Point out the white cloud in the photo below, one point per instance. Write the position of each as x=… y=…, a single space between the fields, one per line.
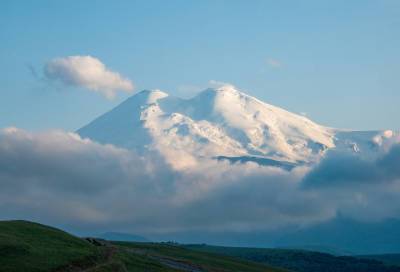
x=218 y=84
x=274 y=63
x=47 y=176
x=303 y=114
x=87 y=72
x=61 y=179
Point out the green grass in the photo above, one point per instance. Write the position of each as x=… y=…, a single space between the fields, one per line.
x=27 y=246
x=204 y=260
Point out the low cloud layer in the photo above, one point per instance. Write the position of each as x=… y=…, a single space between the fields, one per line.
x=359 y=188
x=87 y=72
x=62 y=179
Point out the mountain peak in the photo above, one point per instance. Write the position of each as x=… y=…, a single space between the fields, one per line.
x=225 y=88
x=150 y=96
x=220 y=90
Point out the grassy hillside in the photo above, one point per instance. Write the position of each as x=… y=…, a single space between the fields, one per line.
x=300 y=260
x=26 y=246
x=203 y=261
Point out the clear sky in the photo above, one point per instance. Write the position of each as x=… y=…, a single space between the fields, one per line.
x=337 y=61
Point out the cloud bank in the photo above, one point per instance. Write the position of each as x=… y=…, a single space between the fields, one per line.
x=366 y=190
x=87 y=72
x=61 y=179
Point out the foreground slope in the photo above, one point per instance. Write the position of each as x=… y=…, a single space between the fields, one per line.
x=27 y=246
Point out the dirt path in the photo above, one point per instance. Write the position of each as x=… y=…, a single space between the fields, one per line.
x=168 y=261
x=177 y=264
x=108 y=258
x=91 y=263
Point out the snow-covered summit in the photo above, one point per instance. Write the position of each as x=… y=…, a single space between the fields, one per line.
x=217 y=123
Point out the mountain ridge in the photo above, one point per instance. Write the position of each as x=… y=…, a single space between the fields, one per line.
x=222 y=122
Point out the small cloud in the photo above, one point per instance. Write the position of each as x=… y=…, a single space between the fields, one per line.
x=87 y=72
x=32 y=71
x=218 y=84
x=274 y=63
x=303 y=114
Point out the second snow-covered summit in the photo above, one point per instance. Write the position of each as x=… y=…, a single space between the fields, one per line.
x=217 y=123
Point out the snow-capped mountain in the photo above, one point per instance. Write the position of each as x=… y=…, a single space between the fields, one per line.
x=223 y=123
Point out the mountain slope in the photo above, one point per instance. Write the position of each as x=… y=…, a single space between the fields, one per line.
x=221 y=123
x=27 y=246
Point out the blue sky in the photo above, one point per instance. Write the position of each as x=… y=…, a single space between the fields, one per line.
x=337 y=61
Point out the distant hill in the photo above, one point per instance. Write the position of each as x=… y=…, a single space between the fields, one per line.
x=348 y=236
x=389 y=259
x=323 y=249
x=301 y=260
x=118 y=236
x=340 y=236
